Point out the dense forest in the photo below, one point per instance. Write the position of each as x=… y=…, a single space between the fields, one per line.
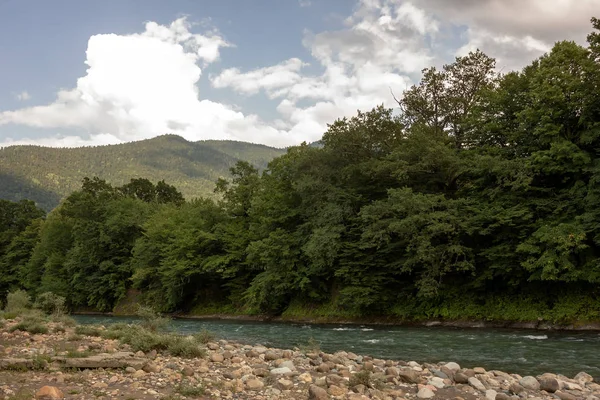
x=46 y=175
x=480 y=199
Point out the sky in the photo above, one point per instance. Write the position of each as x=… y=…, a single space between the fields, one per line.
x=85 y=73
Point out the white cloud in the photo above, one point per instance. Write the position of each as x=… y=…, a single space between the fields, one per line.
x=515 y=31
x=304 y=3
x=23 y=96
x=142 y=85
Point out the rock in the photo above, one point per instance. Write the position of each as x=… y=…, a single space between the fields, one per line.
x=476 y=383
x=409 y=376
x=151 y=367
x=565 y=396
x=217 y=357
x=100 y=385
x=254 y=384
x=280 y=371
x=440 y=374
x=336 y=390
x=502 y=396
x=187 y=371
x=459 y=377
x=583 y=378
x=289 y=364
x=116 y=360
x=271 y=356
x=479 y=370
x=139 y=373
x=321 y=381
x=516 y=388
x=529 y=382
x=550 y=385
x=305 y=377
x=285 y=384
x=437 y=382
x=140 y=354
x=317 y=393
x=425 y=393
x=452 y=366
x=262 y=372
x=392 y=371
x=323 y=367
x=130 y=370
x=490 y=394
x=49 y=393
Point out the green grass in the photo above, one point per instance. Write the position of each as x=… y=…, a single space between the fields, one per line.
x=88 y=330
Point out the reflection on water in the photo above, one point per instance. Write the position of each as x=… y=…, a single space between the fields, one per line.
x=515 y=351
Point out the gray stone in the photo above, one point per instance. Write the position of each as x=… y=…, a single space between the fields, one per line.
x=280 y=371
x=452 y=366
x=425 y=393
x=439 y=373
x=476 y=383
x=529 y=382
x=550 y=385
x=583 y=378
x=490 y=394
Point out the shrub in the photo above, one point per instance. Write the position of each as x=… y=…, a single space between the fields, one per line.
x=32 y=322
x=50 y=303
x=204 y=336
x=17 y=301
x=180 y=346
x=64 y=320
x=151 y=319
x=88 y=330
x=189 y=391
x=360 y=378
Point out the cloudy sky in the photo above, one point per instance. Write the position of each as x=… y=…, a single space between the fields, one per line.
x=76 y=73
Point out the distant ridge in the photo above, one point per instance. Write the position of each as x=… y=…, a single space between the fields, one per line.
x=47 y=174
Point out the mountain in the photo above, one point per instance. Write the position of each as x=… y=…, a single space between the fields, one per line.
x=46 y=174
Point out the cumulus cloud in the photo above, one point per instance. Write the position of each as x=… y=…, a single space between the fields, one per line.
x=23 y=96
x=515 y=31
x=142 y=85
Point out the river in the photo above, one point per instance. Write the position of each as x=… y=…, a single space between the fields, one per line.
x=525 y=352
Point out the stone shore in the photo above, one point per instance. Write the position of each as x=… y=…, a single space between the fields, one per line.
x=54 y=366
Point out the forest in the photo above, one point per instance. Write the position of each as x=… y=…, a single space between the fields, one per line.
x=478 y=198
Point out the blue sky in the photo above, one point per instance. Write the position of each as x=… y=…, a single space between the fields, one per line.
x=268 y=71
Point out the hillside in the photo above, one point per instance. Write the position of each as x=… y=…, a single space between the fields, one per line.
x=47 y=174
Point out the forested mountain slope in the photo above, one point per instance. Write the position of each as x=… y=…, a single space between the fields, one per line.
x=45 y=174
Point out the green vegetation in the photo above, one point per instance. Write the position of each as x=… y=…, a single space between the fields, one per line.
x=478 y=200
x=46 y=175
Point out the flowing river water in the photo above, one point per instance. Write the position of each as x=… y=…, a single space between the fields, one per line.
x=526 y=352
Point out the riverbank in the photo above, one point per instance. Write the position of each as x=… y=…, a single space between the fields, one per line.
x=77 y=363
x=541 y=325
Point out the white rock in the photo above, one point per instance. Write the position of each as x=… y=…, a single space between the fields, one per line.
x=425 y=393
x=437 y=382
x=280 y=371
x=490 y=394
x=452 y=366
x=529 y=382
x=476 y=383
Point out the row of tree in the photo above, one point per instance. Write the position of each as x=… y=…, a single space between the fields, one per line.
x=481 y=198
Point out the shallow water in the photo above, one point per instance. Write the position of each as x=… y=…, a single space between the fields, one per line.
x=525 y=352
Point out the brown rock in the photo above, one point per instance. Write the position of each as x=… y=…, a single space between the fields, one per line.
x=459 y=377
x=336 y=390
x=502 y=396
x=565 y=396
x=409 y=376
x=550 y=385
x=324 y=367
x=317 y=393
x=187 y=371
x=49 y=393
x=254 y=384
x=217 y=357
x=151 y=367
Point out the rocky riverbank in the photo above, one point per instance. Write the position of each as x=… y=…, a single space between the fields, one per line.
x=65 y=364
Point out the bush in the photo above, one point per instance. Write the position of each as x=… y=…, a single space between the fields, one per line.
x=88 y=330
x=360 y=378
x=180 y=346
x=17 y=301
x=64 y=320
x=151 y=319
x=50 y=303
x=204 y=336
x=32 y=322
